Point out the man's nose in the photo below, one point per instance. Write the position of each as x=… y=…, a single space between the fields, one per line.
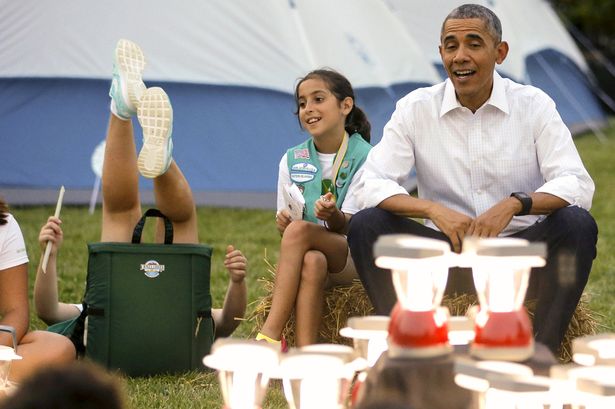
x=461 y=55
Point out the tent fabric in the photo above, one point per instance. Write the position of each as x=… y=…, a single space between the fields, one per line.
x=230 y=68
x=264 y=44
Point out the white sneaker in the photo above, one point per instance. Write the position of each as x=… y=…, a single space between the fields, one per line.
x=127 y=85
x=156 y=118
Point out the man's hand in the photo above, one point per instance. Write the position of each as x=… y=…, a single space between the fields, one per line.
x=452 y=223
x=51 y=231
x=236 y=264
x=494 y=220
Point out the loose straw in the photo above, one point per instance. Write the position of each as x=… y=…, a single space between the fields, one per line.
x=49 y=244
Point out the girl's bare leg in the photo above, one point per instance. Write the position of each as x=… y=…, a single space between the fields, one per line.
x=300 y=237
x=310 y=298
x=174 y=199
x=40 y=349
x=120 y=183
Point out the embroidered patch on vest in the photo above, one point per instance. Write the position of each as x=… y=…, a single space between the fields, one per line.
x=302 y=153
x=301 y=177
x=304 y=167
x=303 y=172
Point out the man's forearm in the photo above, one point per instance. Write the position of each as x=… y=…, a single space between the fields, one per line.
x=406 y=205
x=545 y=203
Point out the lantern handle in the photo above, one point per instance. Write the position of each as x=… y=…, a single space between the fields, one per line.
x=11 y=330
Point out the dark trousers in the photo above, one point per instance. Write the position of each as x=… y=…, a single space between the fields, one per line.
x=570 y=234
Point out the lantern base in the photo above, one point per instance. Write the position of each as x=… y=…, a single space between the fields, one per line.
x=503 y=336
x=401 y=351
x=515 y=354
x=419 y=334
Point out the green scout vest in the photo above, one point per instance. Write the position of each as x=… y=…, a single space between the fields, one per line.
x=305 y=172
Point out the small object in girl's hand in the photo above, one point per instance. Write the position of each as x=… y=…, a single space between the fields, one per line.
x=324 y=198
x=326 y=187
x=48 y=246
x=295 y=203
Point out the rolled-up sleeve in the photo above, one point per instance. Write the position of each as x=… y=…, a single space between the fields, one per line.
x=560 y=163
x=389 y=162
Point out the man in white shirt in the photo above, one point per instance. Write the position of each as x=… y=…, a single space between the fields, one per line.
x=493 y=158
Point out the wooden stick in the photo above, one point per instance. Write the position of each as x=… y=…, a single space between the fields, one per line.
x=49 y=244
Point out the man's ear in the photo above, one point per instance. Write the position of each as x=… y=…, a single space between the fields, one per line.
x=502 y=51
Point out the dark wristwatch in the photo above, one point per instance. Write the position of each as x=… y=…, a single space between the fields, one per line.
x=526 y=202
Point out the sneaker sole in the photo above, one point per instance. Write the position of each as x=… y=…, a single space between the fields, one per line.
x=131 y=63
x=155 y=115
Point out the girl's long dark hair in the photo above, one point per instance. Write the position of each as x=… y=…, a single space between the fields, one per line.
x=4 y=211
x=356 y=121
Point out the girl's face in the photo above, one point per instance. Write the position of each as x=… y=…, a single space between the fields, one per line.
x=320 y=112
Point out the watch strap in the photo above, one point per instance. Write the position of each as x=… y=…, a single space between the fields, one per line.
x=526 y=202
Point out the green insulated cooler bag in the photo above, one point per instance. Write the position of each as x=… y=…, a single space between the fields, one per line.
x=148 y=305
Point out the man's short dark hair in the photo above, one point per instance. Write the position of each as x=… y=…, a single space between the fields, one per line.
x=492 y=22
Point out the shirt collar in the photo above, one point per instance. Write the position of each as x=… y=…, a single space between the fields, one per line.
x=497 y=99
x=498 y=94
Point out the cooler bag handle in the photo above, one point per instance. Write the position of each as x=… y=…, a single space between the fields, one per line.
x=168 y=226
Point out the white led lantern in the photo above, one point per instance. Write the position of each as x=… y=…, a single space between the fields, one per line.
x=244 y=368
x=501 y=270
x=418 y=326
x=369 y=336
x=7 y=356
x=594 y=349
x=316 y=379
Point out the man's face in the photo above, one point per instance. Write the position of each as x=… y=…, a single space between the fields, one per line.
x=469 y=54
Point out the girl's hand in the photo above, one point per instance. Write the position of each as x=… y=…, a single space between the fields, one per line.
x=282 y=220
x=51 y=231
x=325 y=208
x=236 y=264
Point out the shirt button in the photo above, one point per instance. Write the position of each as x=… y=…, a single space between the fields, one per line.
x=479 y=192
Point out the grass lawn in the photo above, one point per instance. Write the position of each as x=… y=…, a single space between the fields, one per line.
x=253 y=232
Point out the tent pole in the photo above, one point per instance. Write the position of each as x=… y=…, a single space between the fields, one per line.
x=600 y=58
x=302 y=35
x=94 y=195
x=586 y=42
x=597 y=131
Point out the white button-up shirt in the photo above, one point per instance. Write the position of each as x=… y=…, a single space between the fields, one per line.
x=515 y=142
